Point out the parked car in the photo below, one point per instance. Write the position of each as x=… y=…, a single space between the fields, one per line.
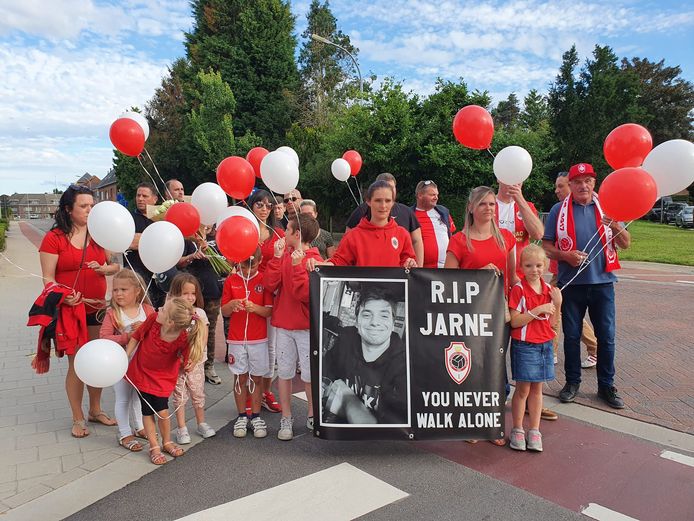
x=685 y=218
x=654 y=214
x=672 y=210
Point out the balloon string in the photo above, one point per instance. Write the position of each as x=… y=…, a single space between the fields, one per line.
x=585 y=263
x=351 y=192
x=491 y=153
x=244 y=203
x=185 y=377
x=157 y=172
x=30 y=274
x=356 y=183
x=152 y=178
x=145 y=289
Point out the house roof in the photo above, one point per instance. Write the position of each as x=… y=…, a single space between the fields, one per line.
x=110 y=179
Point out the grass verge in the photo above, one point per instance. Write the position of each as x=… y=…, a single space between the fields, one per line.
x=654 y=242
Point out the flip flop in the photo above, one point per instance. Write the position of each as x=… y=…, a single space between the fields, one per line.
x=102 y=418
x=82 y=425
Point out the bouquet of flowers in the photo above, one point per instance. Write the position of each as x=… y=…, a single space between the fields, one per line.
x=157 y=212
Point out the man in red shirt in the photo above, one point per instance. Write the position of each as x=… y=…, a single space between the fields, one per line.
x=436 y=224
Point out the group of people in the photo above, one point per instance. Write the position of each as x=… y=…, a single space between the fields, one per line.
x=169 y=329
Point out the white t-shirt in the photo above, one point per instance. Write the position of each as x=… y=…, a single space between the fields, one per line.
x=507 y=217
x=128 y=322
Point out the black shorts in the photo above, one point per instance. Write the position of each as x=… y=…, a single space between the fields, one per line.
x=158 y=403
x=92 y=320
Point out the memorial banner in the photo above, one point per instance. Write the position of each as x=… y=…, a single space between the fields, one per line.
x=407 y=354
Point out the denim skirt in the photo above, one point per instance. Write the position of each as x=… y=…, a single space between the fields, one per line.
x=532 y=362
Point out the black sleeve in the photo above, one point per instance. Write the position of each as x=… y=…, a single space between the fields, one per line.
x=357 y=214
x=393 y=408
x=414 y=222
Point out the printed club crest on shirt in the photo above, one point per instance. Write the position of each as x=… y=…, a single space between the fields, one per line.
x=458 y=361
x=394 y=242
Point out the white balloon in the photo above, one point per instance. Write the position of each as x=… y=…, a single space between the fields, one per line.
x=341 y=169
x=101 y=363
x=210 y=200
x=138 y=118
x=240 y=211
x=290 y=151
x=161 y=246
x=279 y=172
x=512 y=165
x=672 y=166
x=111 y=226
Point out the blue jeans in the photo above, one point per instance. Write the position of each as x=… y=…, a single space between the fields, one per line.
x=598 y=299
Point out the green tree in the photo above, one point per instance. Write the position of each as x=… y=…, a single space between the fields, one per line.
x=252 y=46
x=535 y=113
x=324 y=68
x=666 y=98
x=507 y=112
x=564 y=108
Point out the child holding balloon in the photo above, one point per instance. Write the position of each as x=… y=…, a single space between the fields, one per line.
x=129 y=308
x=191 y=383
x=171 y=338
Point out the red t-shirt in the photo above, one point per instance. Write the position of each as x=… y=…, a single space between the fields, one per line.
x=91 y=284
x=434 y=236
x=155 y=365
x=523 y=298
x=483 y=252
x=267 y=248
x=235 y=288
x=508 y=217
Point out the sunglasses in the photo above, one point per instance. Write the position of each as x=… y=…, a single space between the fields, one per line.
x=260 y=204
x=80 y=189
x=427 y=183
x=292 y=199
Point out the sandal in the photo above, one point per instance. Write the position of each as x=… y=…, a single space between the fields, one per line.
x=84 y=432
x=132 y=444
x=499 y=443
x=156 y=457
x=102 y=418
x=140 y=434
x=173 y=449
x=471 y=442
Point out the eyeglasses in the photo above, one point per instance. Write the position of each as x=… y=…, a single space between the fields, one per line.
x=292 y=199
x=261 y=204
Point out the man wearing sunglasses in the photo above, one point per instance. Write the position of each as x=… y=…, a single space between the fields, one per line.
x=292 y=203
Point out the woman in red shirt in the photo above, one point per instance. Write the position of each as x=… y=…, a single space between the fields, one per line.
x=69 y=257
x=376 y=241
x=482 y=245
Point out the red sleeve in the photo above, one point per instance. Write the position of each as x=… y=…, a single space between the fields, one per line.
x=509 y=239
x=515 y=296
x=51 y=243
x=268 y=298
x=451 y=223
x=455 y=246
x=139 y=334
x=273 y=274
x=108 y=330
x=226 y=291
x=148 y=309
x=407 y=248
x=344 y=255
x=299 y=287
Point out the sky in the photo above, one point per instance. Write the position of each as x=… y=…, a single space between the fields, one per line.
x=68 y=68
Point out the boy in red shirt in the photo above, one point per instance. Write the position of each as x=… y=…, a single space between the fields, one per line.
x=248 y=304
x=287 y=277
x=533 y=305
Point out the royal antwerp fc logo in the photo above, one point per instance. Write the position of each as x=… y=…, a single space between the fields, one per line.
x=458 y=361
x=565 y=244
x=394 y=242
x=582 y=168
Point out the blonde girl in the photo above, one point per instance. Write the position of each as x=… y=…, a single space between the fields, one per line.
x=169 y=339
x=192 y=383
x=128 y=309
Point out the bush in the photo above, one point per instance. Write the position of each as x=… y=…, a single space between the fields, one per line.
x=3 y=227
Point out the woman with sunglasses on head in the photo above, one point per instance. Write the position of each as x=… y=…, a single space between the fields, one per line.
x=70 y=257
x=261 y=204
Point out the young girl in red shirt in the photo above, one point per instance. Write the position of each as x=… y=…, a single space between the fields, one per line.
x=172 y=337
x=533 y=305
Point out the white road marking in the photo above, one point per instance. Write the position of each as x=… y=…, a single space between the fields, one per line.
x=679 y=458
x=301 y=396
x=336 y=493
x=685 y=281
x=601 y=513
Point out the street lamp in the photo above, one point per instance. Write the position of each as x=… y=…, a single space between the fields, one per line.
x=319 y=38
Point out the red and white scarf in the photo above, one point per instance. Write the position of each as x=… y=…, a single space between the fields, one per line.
x=566 y=232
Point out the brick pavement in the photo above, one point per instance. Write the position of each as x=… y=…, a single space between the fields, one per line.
x=38 y=454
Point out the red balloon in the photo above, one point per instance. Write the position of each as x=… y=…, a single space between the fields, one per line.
x=235 y=176
x=473 y=127
x=628 y=193
x=627 y=145
x=255 y=157
x=185 y=216
x=237 y=238
x=127 y=136
x=354 y=159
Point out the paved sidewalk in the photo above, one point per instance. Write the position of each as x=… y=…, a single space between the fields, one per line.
x=38 y=452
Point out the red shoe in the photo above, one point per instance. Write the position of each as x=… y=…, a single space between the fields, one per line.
x=249 y=409
x=270 y=403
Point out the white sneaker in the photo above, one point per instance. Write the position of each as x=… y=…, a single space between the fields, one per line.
x=309 y=423
x=205 y=430
x=590 y=361
x=240 y=427
x=556 y=360
x=182 y=436
x=259 y=427
x=211 y=376
x=286 y=432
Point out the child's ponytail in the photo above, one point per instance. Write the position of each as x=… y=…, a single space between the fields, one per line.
x=182 y=314
x=196 y=341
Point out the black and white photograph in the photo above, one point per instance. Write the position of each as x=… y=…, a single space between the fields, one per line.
x=364 y=353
